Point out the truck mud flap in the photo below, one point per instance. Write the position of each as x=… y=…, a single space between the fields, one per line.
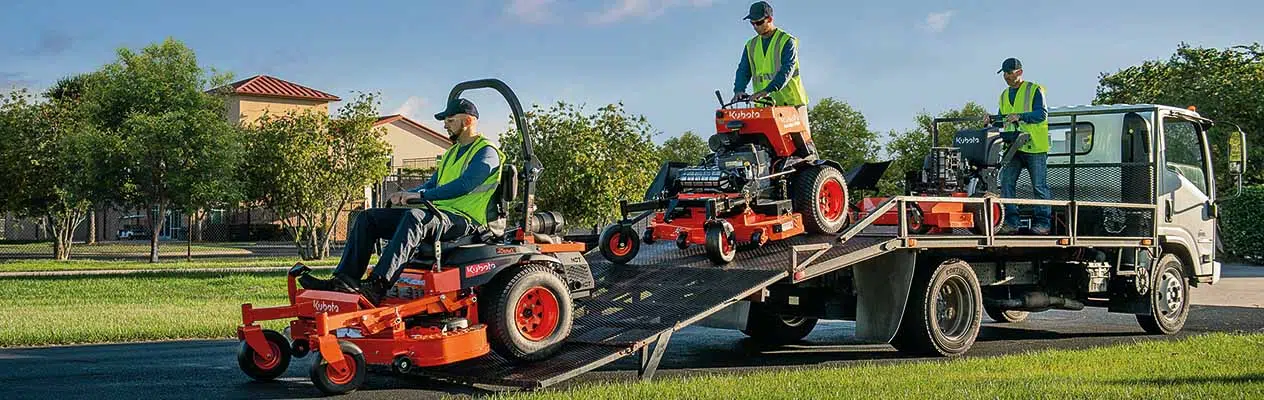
x=882 y=289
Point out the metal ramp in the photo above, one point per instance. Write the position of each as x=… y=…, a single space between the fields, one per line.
x=635 y=308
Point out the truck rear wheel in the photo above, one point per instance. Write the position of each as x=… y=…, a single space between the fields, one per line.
x=528 y=312
x=1169 y=298
x=773 y=329
x=944 y=311
x=1006 y=316
x=820 y=195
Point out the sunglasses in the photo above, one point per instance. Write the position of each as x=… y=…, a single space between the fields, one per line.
x=760 y=22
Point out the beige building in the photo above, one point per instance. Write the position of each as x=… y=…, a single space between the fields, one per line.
x=250 y=98
x=414 y=145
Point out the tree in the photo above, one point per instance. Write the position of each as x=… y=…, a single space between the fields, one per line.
x=908 y=150
x=308 y=167
x=591 y=161
x=45 y=153
x=842 y=134
x=1224 y=85
x=169 y=145
x=688 y=148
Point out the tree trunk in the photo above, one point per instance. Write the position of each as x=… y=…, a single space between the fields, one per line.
x=154 y=230
x=92 y=226
x=188 y=240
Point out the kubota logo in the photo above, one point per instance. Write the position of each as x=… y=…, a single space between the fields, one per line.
x=967 y=140
x=478 y=269
x=325 y=307
x=745 y=114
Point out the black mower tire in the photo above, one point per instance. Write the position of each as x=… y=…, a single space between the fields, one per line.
x=1169 y=298
x=1006 y=316
x=998 y=212
x=921 y=332
x=721 y=242
x=770 y=329
x=504 y=296
x=330 y=382
x=262 y=370
x=916 y=219
x=619 y=243
x=809 y=184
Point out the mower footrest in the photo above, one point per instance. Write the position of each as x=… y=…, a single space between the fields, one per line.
x=776 y=207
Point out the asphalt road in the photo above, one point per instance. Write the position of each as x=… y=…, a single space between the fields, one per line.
x=208 y=369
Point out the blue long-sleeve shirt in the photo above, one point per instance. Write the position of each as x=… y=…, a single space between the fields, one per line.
x=1038 y=110
x=788 y=55
x=484 y=163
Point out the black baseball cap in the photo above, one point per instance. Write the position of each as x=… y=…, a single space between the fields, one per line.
x=759 y=10
x=458 y=106
x=1010 y=65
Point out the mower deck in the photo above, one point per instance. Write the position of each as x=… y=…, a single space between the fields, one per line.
x=636 y=307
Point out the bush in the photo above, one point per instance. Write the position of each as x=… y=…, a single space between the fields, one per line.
x=1241 y=237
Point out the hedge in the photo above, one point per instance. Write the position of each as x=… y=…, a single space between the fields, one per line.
x=1240 y=220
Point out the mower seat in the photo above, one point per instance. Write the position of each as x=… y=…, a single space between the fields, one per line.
x=493 y=232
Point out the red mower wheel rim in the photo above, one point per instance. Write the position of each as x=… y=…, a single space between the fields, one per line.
x=266 y=364
x=619 y=245
x=341 y=379
x=537 y=313
x=831 y=199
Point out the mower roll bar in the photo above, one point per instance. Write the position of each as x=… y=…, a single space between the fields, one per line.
x=532 y=167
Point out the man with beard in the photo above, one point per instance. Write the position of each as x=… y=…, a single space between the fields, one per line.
x=461 y=188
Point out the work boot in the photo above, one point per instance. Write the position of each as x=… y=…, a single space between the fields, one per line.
x=375 y=289
x=1040 y=230
x=336 y=283
x=1006 y=229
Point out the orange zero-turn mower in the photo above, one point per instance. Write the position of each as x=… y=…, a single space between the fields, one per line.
x=507 y=291
x=763 y=181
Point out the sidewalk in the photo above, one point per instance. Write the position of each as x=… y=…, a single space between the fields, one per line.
x=1241 y=285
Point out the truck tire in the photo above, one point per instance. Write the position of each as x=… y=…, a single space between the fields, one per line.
x=529 y=312
x=1006 y=316
x=930 y=328
x=767 y=328
x=820 y=196
x=1169 y=298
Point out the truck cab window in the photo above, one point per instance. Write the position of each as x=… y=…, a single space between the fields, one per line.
x=1183 y=145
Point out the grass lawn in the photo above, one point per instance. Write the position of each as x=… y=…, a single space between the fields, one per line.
x=143 y=306
x=171 y=263
x=45 y=249
x=1213 y=366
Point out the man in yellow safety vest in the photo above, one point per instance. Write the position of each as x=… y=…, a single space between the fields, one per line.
x=461 y=188
x=1023 y=105
x=770 y=64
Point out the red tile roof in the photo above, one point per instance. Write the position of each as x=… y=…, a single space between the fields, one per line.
x=263 y=85
x=386 y=119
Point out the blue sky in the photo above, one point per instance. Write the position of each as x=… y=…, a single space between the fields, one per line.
x=662 y=58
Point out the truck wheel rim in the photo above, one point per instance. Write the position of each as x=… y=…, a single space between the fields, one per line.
x=341 y=378
x=1173 y=297
x=619 y=245
x=830 y=201
x=266 y=364
x=537 y=313
x=952 y=308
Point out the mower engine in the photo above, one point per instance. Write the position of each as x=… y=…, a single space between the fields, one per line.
x=728 y=171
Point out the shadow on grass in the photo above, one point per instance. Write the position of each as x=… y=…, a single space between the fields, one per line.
x=1251 y=378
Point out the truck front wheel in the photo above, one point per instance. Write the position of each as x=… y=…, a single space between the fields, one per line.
x=944 y=311
x=1169 y=298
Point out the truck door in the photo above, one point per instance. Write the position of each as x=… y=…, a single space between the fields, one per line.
x=1185 y=203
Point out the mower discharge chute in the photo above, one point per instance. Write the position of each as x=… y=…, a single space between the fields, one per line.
x=508 y=291
x=969 y=168
x=762 y=181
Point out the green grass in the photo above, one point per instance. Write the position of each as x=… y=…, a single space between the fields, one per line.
x=1212 y=366
x=173 y=263
x=45 y=249
x=143 y=306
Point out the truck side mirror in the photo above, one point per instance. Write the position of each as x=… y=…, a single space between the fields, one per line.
x=1237 y=153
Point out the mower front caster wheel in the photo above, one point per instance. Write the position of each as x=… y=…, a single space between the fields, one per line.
x=619 y=243
x=262 y=368
x=721 y=243
x=330 y=381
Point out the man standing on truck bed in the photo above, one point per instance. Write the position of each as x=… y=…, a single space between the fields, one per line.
x=1023 y=104
x=770 y=63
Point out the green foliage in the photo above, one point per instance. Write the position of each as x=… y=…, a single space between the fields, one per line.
x=310 y=167
x=1224 y=84
x=907 y=150
x=591 y=161
x=842 y=134
x=688 y=147
x=1239 y=224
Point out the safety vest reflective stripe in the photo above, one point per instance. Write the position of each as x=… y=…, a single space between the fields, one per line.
x=1023 y=103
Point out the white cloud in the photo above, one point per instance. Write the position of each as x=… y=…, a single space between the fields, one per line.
x=532 y=11
x=624 y=9
x=414 y=108
x=938 y=21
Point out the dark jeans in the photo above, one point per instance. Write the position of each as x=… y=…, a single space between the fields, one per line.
x=1038 y=169
x=407 y=228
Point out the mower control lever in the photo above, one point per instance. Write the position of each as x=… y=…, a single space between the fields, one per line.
x=743 y=98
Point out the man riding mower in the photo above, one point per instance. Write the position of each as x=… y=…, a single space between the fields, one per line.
x=453 y=284
x=968 y=168
x=763 y=181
